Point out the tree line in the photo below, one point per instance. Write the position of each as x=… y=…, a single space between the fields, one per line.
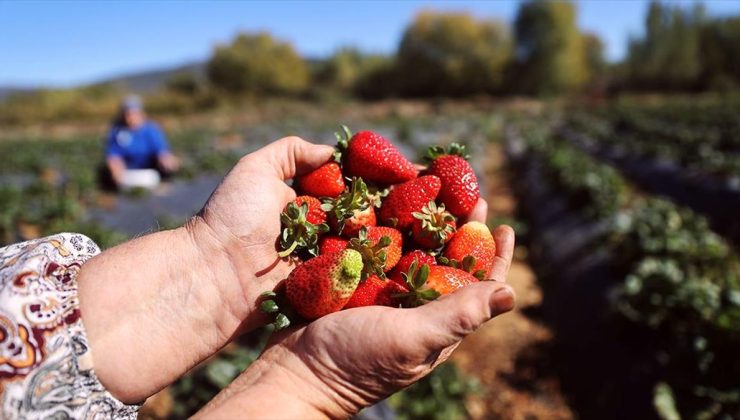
x=543 y=53
x=439 y=54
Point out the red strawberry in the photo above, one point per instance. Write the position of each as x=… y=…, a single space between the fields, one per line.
x=472 y=239
x=315 y=214
x=324 y=284
x=460 y=190
x=429 y=282
x=302 y=222
x=369 y=156
x=376 y=291
x=352 y=209
x=332 y=243
x=405 y=199
x=393 y=250
x=405 y=262
x=380 y=248
x=433 y=226
x=325 y=181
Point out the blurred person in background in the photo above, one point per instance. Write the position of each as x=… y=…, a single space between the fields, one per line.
x=136 y=150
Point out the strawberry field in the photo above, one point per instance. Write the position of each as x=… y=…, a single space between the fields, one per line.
x=641 y=291
x=627 y=269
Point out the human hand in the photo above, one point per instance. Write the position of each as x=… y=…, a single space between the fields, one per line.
x=243 y=213
x=350 y=359
x=169 y=162
x=156 y=306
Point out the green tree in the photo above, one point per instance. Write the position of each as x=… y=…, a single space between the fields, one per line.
x=594 y=51
x=669 y=57
x=184 y=82
x=258 y=64
x=550 y=57
x=452 y=54
x=349 y=67
x=720 y=52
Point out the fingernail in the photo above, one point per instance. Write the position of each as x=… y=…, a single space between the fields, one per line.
x=503 y=300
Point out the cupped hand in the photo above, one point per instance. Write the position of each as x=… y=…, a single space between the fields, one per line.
x=242 y=218
x=350 y=359
x=157 y=305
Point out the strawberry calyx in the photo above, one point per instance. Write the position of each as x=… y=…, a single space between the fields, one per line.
x=416 y=279
x=467 y=264
x=373 y=255
x=455 y=149
x=436 y=222
x=343 y=139
x=298 y=233
x=270 y=306
x=375 y=195
x=355 y=198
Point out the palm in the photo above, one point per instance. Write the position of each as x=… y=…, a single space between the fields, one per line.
x=373 y=351
x=243 y=213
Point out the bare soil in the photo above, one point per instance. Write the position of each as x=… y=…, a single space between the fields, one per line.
x=509 y=355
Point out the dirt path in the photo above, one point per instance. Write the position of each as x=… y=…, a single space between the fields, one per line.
x=510 y=354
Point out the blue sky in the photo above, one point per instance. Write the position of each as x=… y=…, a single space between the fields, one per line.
x=64 y=43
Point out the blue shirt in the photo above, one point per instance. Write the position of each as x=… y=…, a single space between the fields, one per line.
x=138 y=147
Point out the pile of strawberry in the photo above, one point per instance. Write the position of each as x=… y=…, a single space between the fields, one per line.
x=374 y=230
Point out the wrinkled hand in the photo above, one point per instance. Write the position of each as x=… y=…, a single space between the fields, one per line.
x=157 y=305
x=242 y=217
x=348 y=360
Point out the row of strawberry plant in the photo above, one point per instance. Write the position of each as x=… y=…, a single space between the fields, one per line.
x=706 y=188
x=675 y=286
x=708 y=151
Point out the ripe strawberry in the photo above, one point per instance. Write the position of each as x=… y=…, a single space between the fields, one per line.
x=380 y=248
x=398 y=208
x=393 y=250
x=405 y=262
x=332 y=243
x=429 y=282
x=375 y=159
x=352 y=209
x=315 y=214
x=302 y=222
x=376 y=291
x=433 y=226
x=475 y=240
x=460 y=190
x=325 y=181
x=324 y=284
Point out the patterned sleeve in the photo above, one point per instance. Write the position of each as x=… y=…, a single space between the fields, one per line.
x=45 y=364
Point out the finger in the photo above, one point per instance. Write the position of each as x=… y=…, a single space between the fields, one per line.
x=479 y=212
x=449 y=319
x=505 y=238
x=292 y=156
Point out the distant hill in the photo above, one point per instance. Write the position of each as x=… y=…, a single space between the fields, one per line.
x=140 y=82
x=152 y=80
x=6 y=91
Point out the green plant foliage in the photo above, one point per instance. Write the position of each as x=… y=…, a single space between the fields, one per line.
x=684 y=49
x=550 y=54
x=441 y=395
x=596 y=188
x=258 y=64
x=699 y=136
x=681 y=282
x=349 y=68
x=452 y=54
x=200 y=385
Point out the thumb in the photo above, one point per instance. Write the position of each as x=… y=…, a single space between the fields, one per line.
x=452 y=317
x=292 y=156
